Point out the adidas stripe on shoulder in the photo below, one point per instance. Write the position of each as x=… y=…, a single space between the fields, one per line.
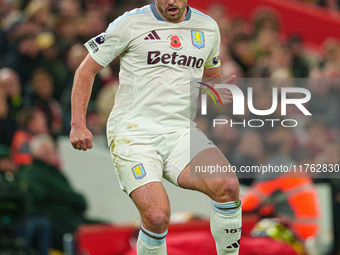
x=152 y=36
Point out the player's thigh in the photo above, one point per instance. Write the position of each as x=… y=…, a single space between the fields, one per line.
x=153 y=204
x=222 y=188
x=184 y=145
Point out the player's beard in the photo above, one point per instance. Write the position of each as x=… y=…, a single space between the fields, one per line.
x=172 y=18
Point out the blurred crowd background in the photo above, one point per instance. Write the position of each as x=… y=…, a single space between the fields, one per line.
x=329 y=4
x=41 y=46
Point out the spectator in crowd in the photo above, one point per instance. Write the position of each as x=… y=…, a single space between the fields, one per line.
x=263 y=45
x=31 y=122
x=42 y=99
x=231 y=66
x=32 y=228
x=299 y=67
x=12 y=208
x=29 y=230
x=242 y=53
x=280 y=65
x=331 y=51
x=7 y=124
x=52 y=56
x=266 y=19
x=9 y=11
x=91 y=24
x=65 y=32
x=49 y=187
x=25 y=58
x=39 y=12
x=69 y=8
x=219 y=13
x=10 y=84
x=7 y=168
x=69 y=15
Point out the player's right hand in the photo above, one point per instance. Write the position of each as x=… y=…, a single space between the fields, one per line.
x=81 y=138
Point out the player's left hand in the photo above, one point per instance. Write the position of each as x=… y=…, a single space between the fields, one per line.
x=225 y=94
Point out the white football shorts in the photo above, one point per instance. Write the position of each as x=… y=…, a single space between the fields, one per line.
x=140 y=159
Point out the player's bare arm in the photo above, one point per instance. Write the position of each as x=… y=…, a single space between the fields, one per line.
x=215 y=72
x=80 y=136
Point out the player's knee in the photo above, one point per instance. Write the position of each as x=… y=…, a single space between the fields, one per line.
x=226 y=190
x=157 y=220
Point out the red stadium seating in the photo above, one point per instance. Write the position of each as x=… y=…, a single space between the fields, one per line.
x=114 y=240
x=103 y=239
x=192 y=238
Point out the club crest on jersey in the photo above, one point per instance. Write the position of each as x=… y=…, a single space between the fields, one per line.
x=138 y=171
x=175 y=42
x=197 y=39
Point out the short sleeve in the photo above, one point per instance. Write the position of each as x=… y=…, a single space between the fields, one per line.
x=213 y=60
x=113 y=42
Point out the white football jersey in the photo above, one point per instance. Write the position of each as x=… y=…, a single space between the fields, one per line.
x=157 y=61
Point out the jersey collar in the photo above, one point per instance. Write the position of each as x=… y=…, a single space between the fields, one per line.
x=159 y=17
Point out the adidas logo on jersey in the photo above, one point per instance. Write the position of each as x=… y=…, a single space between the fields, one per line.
x=152 y=36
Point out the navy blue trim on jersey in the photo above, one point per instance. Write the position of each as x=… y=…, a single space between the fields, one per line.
x=159 y=17
x=155 y=12
x=188 y=16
